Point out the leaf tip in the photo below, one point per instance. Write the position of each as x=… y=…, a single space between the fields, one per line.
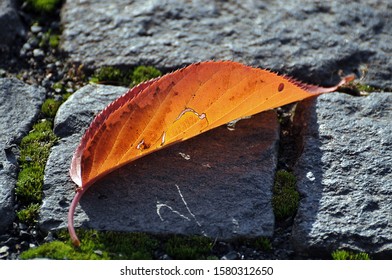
x=347 y=79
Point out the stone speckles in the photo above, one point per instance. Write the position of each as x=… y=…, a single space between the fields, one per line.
x=345 y=176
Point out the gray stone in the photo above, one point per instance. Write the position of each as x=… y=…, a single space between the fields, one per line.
x=310 y=40
x=19 y=107
x=11 y=24
x=345 y=175
x=218 y=184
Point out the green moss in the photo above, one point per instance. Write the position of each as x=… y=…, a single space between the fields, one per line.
x=49 y=39
x=29 y=185
x=365 y=88
x=59 y=250
x=97 y=245
x=144 y=73
x=357 y=89
x=34 y=151
x=116 y=76
x=346 y=255
x=35 y=147
x=29 y=214
x=54 y=41
x=50 y=107
x=285 y=196
x=261 y=243
x=188 y=247
x=58 y=86
x=43 y=6
x=112 y=76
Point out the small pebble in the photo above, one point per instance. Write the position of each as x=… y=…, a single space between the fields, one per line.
x=36 y=28
x=32 y=43
x=38 y=53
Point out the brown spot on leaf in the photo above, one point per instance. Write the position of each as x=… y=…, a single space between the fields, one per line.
x=281 y=87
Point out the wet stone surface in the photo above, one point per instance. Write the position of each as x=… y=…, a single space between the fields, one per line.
x=218 y=184
x=345 y=176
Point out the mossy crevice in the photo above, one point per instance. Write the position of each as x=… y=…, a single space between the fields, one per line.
x=285 y=198
x=120 y=245
x=50 y=39
x=120 y=77
x=43 y=6
x=34 y=152
x=356 y=88
x=95 y=246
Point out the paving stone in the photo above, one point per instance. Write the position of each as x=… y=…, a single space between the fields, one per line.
x=11 y=24
x=310 y=40
x=218 y=184
x=19 y=107
x=345 y=175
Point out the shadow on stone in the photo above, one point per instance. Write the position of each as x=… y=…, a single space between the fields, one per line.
x=217 y=184
x=309 y=173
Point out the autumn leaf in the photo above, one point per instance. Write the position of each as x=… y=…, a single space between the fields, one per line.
x=176 y=107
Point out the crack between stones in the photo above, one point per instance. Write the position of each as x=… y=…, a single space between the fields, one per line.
x=293 y=124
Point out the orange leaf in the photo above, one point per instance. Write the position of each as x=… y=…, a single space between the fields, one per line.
x=173 y=108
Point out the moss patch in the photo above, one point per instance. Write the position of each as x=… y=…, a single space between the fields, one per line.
x=116 y=76
x=43 y=6
x=144 y=73
x=358 y=89
x=285 y=196
x=29 y=214
x=96 y=245
x=188 y=247
x=50 y=107
x=34 y=152
x=49 y=39
x=120 y=245
x=346 y=255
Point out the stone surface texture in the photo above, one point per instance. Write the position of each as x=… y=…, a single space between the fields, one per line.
x=310 y=40
x=19 y=107
x=345 y=175
x=11 y=24
x=218 y=184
